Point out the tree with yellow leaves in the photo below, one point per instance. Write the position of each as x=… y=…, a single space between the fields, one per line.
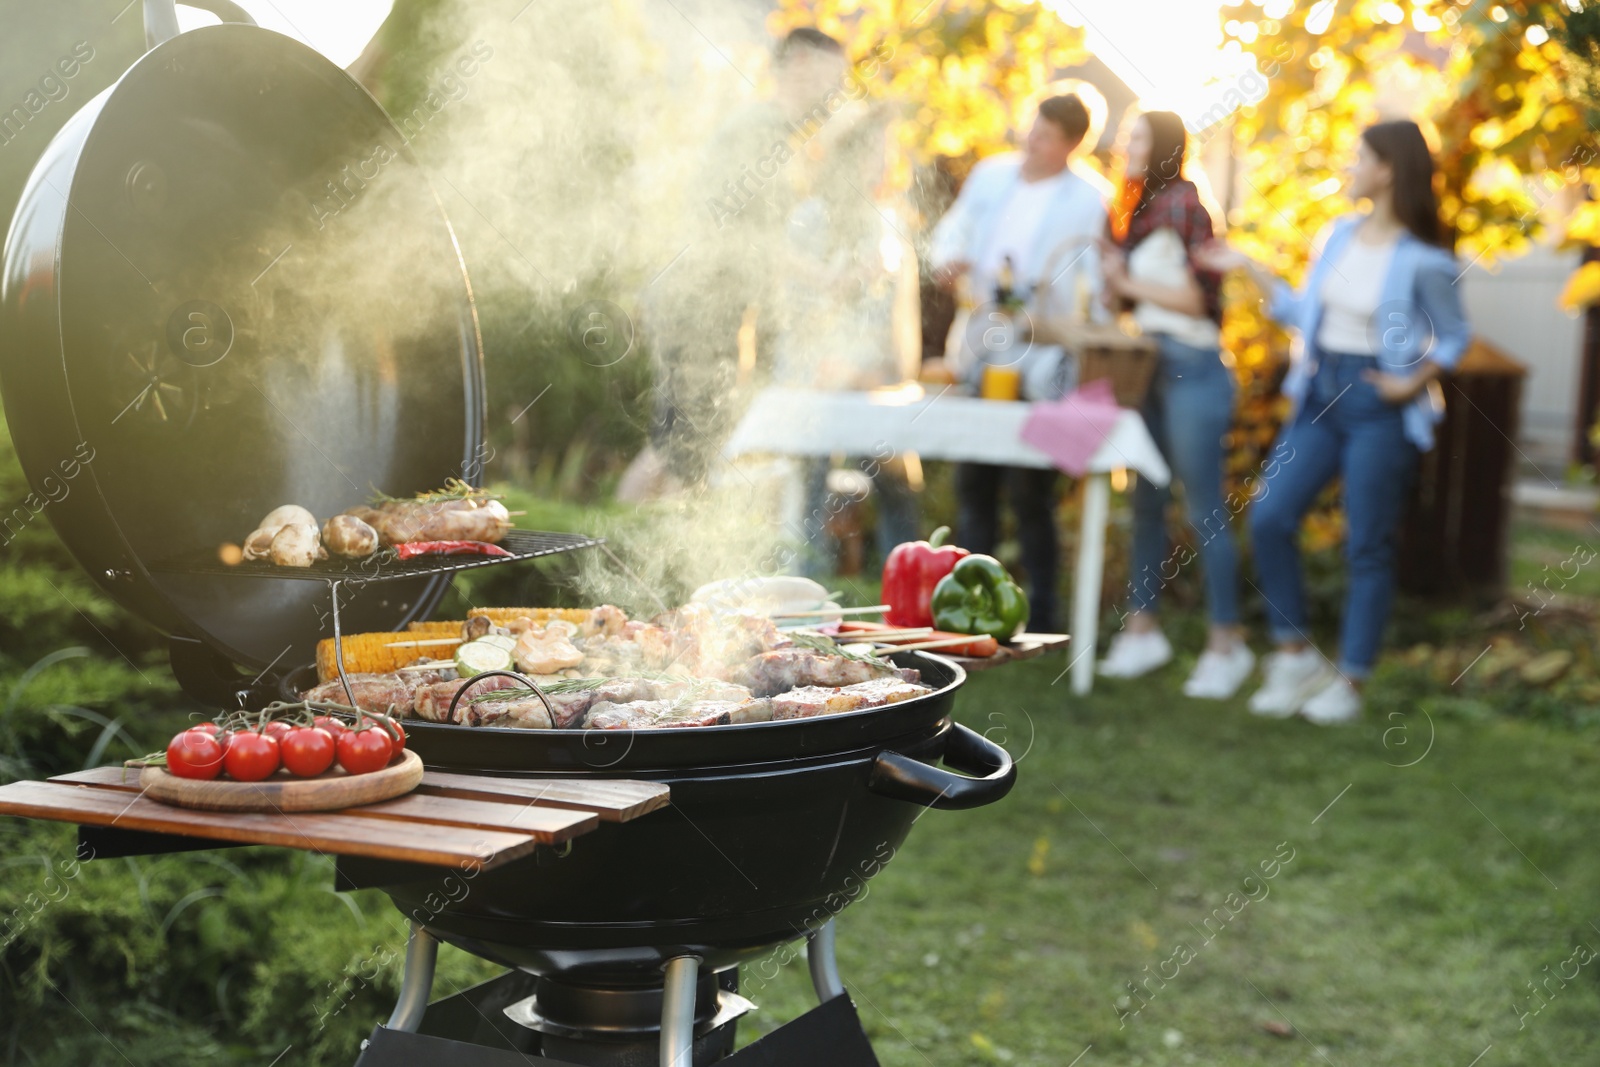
x=962 y=65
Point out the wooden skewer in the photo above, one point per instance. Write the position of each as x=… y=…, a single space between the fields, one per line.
x=828 y=612
x=885 y=636
x=943 y=642
x=427 y=643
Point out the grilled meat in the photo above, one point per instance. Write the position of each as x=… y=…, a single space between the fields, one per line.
x=547 y=650
x=348 y=537
x=882 y=691
x=632 y=715
x=810 y=701
x=375 y=692
x=400 y=521
x=520 y=711
x=432 y=702
x=790 y=668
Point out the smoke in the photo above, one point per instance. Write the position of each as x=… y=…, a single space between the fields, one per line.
x=646 y=149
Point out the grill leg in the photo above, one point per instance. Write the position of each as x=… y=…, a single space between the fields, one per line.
x=824 y=966
x=677 y=1012
x=422 y=951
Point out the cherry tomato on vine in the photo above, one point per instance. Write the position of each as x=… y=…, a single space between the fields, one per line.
x=195 y=754
x=333 y=724
x=307 y=751
x=397 y=735
x=209 y=728
x=251 y=756
x=276 y=729
x=366 y=750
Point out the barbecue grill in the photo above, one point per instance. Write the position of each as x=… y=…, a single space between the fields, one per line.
x=161 y=306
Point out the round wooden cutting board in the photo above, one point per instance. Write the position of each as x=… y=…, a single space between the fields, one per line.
x=282 y=792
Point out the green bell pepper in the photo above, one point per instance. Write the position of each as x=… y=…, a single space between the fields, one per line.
x=979 y=597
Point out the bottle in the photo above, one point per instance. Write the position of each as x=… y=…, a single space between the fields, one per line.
x=1005 y=288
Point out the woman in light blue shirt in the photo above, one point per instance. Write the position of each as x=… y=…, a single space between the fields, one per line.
x=1378 y=321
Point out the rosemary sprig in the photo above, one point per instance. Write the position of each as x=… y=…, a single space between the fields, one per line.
x=826 y=645
x=454 y=489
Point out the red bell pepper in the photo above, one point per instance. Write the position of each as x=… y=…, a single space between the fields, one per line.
x=412 y=549
x=911 y=572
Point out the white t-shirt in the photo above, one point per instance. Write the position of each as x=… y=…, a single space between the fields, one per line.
x=1350 y=297
x=1017 y=233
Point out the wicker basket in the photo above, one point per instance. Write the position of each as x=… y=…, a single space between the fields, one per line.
x=1129 y=362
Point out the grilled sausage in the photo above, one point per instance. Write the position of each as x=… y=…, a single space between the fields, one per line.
x=449 y=520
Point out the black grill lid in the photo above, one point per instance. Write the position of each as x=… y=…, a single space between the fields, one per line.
x=229 y=286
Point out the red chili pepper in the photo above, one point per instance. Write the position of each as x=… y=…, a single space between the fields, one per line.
x=911 y=572
x=448 y=548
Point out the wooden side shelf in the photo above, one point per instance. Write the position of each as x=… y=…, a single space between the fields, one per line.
x=450 y=820
x=1023 y=646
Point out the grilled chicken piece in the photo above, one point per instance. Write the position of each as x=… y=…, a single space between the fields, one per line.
x=546 y=651
x=432 y=702
x=375 y=692
x=809 y=702
x=604 y=621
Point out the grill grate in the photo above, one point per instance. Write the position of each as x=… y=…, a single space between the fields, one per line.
x=522 y=544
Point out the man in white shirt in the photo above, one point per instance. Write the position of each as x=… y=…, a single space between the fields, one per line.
x=1035 y=212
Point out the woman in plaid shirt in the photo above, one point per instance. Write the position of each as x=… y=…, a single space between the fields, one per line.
x=1158 y=228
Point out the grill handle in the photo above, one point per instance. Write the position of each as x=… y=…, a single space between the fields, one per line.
x=161 y=17
x=897 y=775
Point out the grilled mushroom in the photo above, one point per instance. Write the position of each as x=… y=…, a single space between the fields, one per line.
x=279 y=517
x=296 y=545
x=349 y=537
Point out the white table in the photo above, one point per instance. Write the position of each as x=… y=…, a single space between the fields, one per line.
x=800 y=422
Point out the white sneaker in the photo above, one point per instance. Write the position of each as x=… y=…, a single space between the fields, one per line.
x=1337 y=702
x=1133 y=655
x=1290 y=679
x=1218 y=675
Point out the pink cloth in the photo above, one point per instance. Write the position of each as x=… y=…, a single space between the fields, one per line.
x=1071 y=430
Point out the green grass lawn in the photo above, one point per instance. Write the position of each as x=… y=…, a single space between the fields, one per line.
x=1418 y=905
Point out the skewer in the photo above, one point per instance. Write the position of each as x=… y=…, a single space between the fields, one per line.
x=943 y=642
x=430 y=642
x=884 y=636
x=829 y=612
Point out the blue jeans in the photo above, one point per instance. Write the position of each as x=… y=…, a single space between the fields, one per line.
x=1033 y=496
x=1188 y=411
x=898 y=512
x=1342 y=429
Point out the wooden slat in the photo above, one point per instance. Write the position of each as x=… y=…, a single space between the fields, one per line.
x=547 y=824
x=335 y=833
x=613 y=800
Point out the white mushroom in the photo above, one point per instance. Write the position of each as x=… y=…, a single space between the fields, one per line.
x=259 y=544
x=296 y=545
x=280 y=517
x=349 y=537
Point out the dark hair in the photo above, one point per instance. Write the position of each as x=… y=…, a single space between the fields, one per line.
x=1069 y=115
x=1401 y=145
x=1168 y=143
x=805 y=38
